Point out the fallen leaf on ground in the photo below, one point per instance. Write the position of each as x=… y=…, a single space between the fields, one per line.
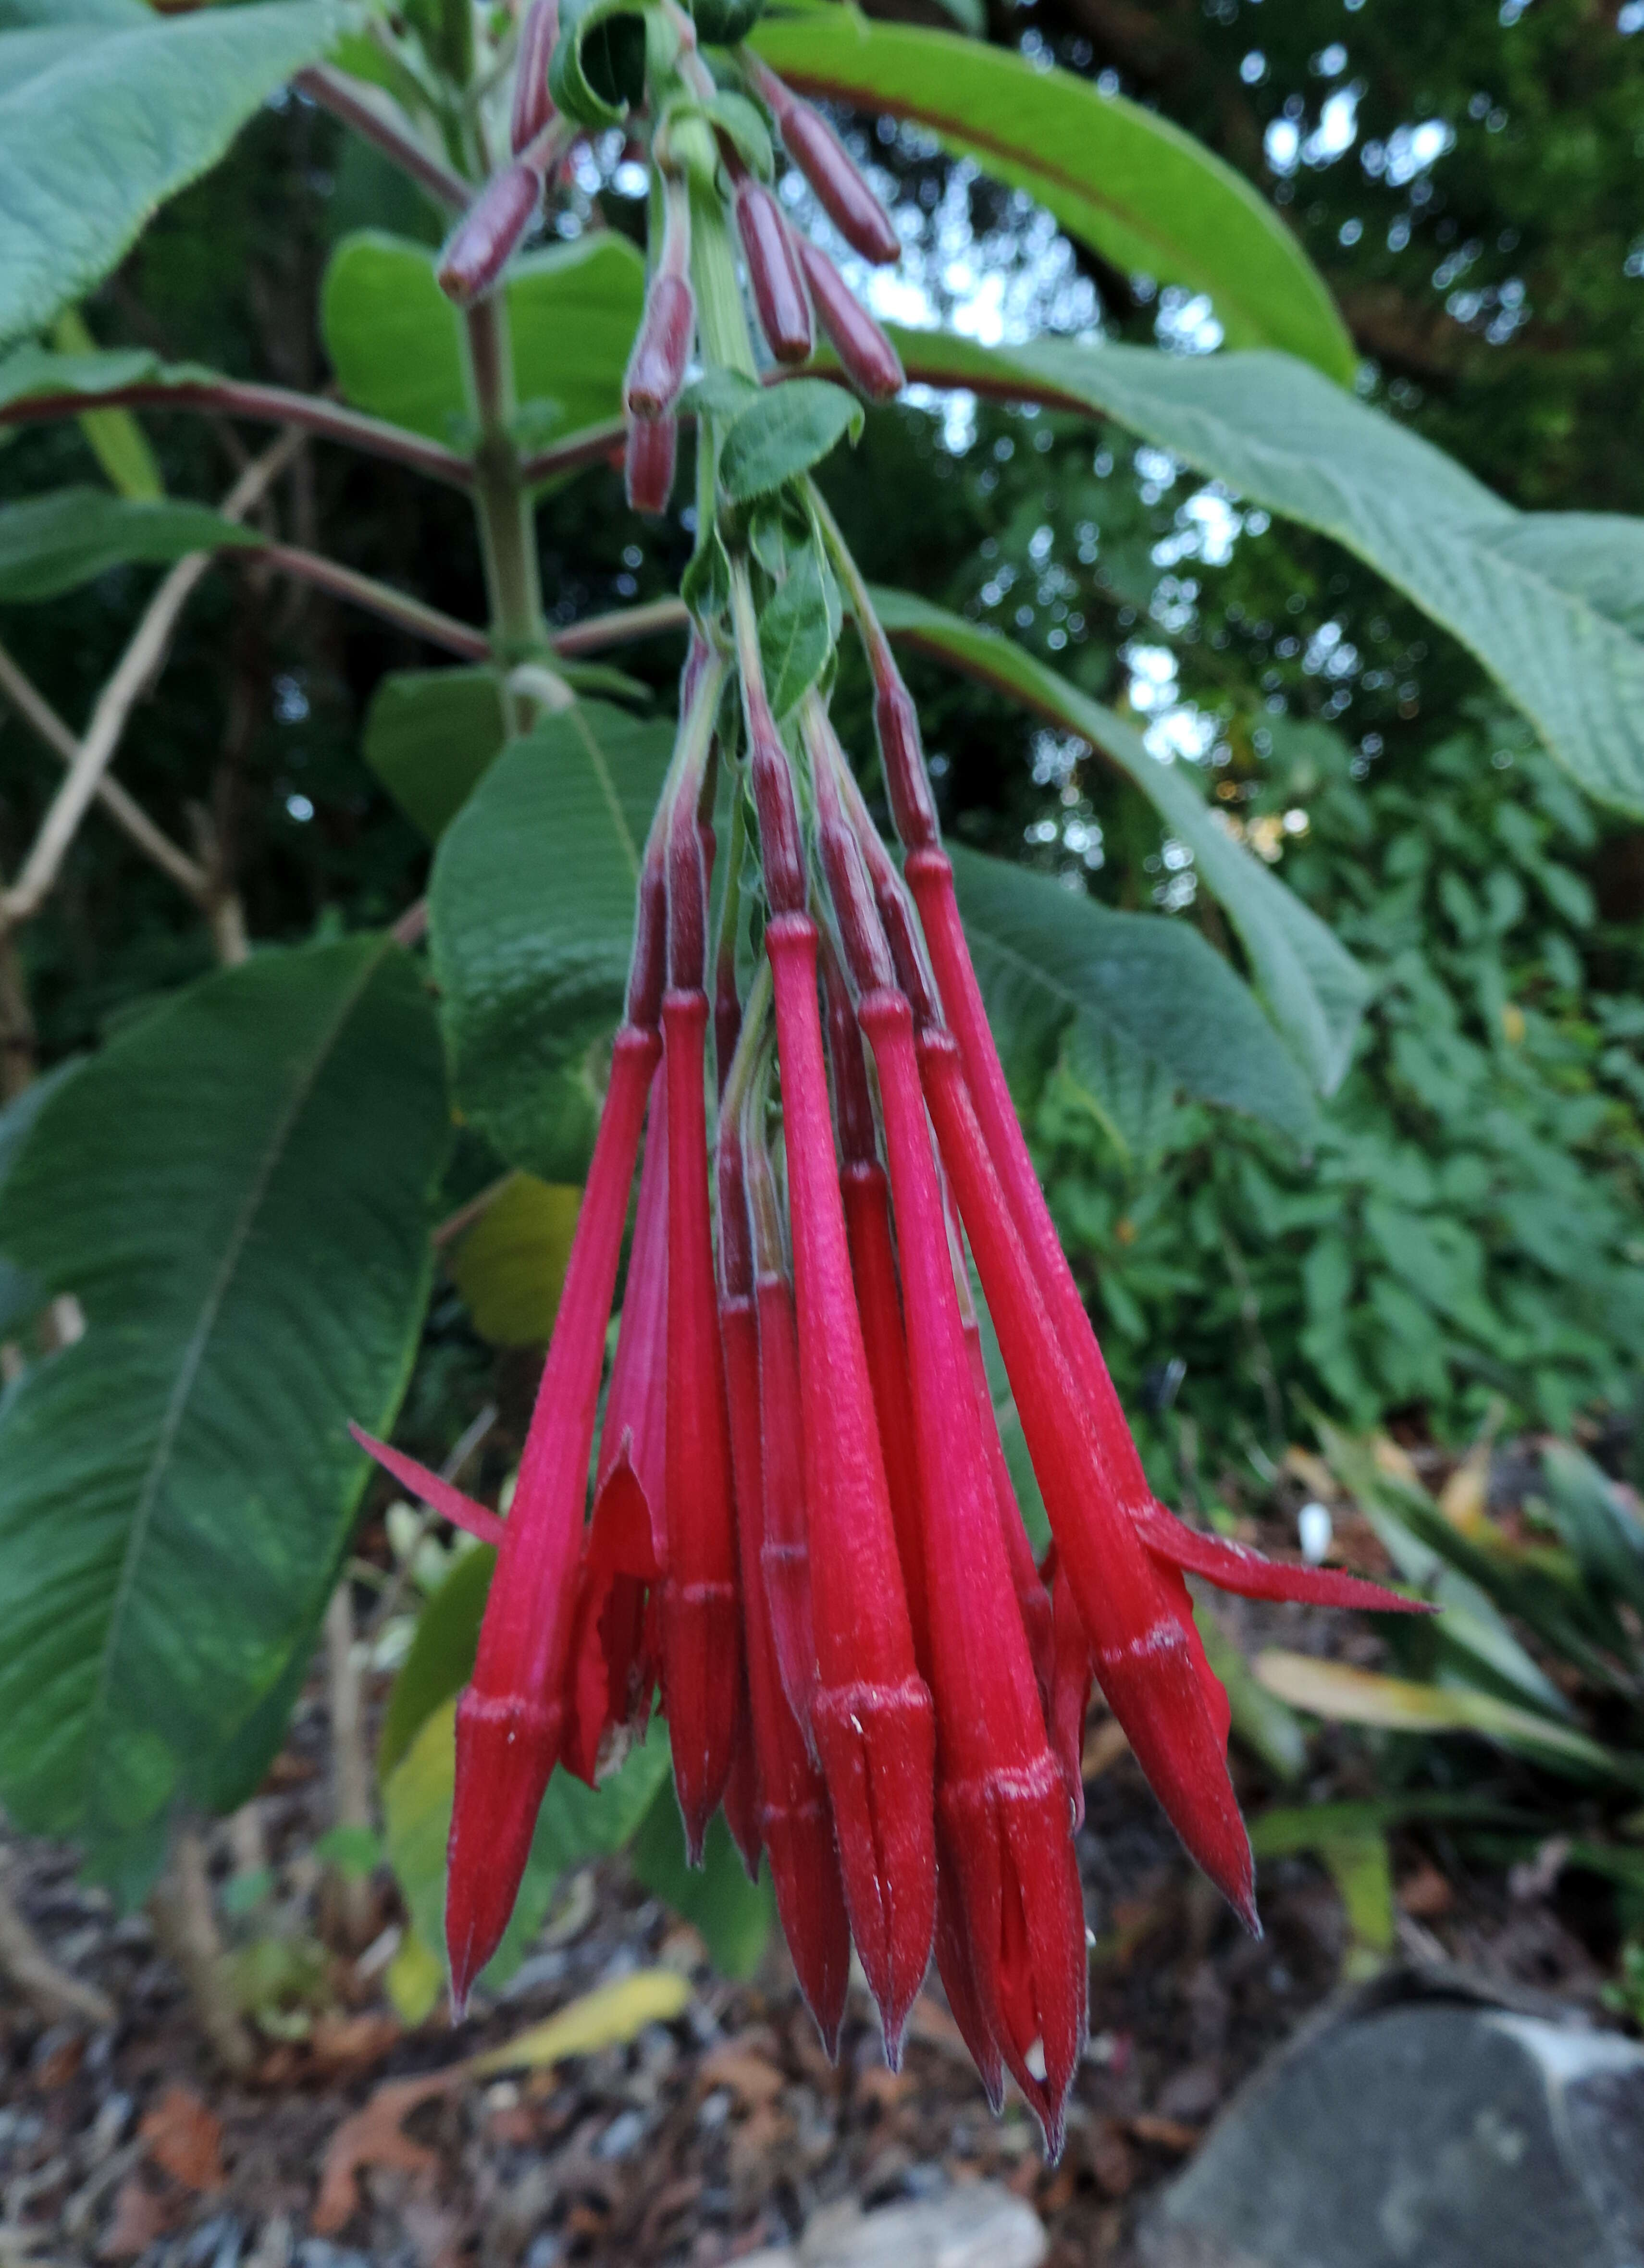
x=606 y=2017
x=184 y=2139
x=749 y=2076
x=375 y=2136
x=138 y=2218
x=337 y=2041
x=1164 y=2134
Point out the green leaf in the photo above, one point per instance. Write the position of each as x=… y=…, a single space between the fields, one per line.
x=121 y=119
x=1314 y=990
x=1596 y=1522
x=1053 y=964
x=1260 y=1720
x=395 y=340
x=597 y=72
x=441 y=1659
x=116 y=438
x=20 y=1294
x=783 y=433
x=1347 y=1695
x=52 y=543
x=531 y=909
x=510 y=1268
x=237 y=1189
x=732 y=1915
x=797 y=628
x=1117 y=176
x=744 y=123
x=1599 y=554
x=1545 y=621
x=430 y=734
x=30 y=371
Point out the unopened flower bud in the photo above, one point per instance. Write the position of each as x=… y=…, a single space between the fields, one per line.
x=532 y=106
x=870 y=362
x=780 y=299
x=489 y=232
x=656 y=368
x=841 y=191
x=648 y=465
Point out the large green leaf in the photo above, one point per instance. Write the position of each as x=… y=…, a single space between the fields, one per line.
x=237 y=1189
x=531 y=907
x=1312 y=985
x=430 y=734
x=783 y=432
x=120 y=118
x=396 y=339
x=1060 y=971
x=1547 y=613
x=20 y=1294
x=52 y=543
x=1119 y=176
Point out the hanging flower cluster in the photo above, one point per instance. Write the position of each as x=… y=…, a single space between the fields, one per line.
x=803 y=1529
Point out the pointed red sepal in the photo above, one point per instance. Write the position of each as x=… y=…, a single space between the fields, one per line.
x=1237 y=1567
x=742 y=1796
x=867 y=1195
x=507 y=1747
x=795 y=1820
x=1024 y=1914
x=437 y=1493
x=612 y=1670
x=957 y=1970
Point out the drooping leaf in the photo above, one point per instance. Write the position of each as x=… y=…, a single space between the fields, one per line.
x=608 y=2016
x=52 y=543
x=732 y=1915
x=1596 y=1522
x=785 y=431
x=1055 y=966
x=237 y=1191
x=396 y=344
x=125 y=114
x=510 y=1265
x=116 y=438
x=1349 y=1696
x=1548 y=620
x=1313 y=989
x=1119 y=176
x=797 y=628
x=531 y=907
x=430 y=735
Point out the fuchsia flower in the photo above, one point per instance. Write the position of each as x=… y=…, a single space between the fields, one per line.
x=804 y=1528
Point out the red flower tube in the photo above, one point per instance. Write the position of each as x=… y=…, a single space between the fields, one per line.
x=649 y=458
x=774 y=274
x=702 y=1669
x=479 y=247
x=832 y=170
x=533 y=107
x=870 y=362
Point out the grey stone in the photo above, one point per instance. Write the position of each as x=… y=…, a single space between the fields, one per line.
x=1432 y=2134
x=973 y=2224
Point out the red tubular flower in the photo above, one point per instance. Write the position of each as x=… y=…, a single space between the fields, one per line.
x=510 y=1719
x=1147 y=1654
x=870 y=362
x=702 y=1671
x=774 y=274
x=1000 y=1796
x=1069 y=1684
x=785 y=1549
x=613 y=1672
x=479 y=246
x=795 y=1819
x=532 y=106
x=742 y=1797
x=648 y=462
x=668 y=326
x=832 y=170
x=871 y=1717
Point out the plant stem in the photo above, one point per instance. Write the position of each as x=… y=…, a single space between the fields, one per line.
x=383 y=124
x=501 y=503
x=185 y=1924
x=720 y=314
x=622 y=627
x=350 y=1894
x=424 y=622
x=59 y=1997
x=272 y=405
x=592 y=446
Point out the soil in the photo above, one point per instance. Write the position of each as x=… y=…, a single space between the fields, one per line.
x=702 y=2140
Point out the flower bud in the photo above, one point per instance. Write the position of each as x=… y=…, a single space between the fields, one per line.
x=870 y=362
x=773 y=272
x=532 y=106
x=479 y=247
x=841 y=191
x=656 y=368
x=648 y=463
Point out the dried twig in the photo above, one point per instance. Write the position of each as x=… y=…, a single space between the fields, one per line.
x=184 y=1922
x=58 y=1996
x=350 y=1894
x=138 y=666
